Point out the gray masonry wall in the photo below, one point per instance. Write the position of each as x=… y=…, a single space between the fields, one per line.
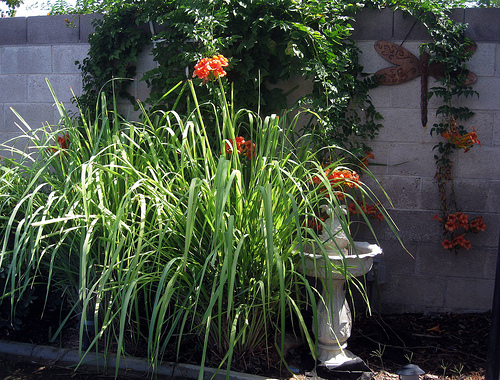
x=431 y=279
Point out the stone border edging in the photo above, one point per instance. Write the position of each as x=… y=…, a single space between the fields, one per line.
x=129 y=366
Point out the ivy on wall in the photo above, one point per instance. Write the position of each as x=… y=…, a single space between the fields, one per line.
x=269 y=41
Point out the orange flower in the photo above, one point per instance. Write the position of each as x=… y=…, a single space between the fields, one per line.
x=243 y=147
x=477 y=224
x=460 y=141
x=63 y=141
x=461 y=241
x=341 y=177
x=364 y=161
x=463 y=220
x=210 y=68
x=369 y=210
x=338 y=179
x=248 y=149
x=237 y=142
x=447 y=244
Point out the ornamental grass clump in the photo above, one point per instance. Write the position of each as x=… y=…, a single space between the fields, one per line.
x=164 y=238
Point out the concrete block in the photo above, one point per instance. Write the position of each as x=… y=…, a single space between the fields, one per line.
x=469 y=294
x=471 y=195
x=86 y=24
x=489 y=95
x=53 y=29
x=411 y=159
x=406 y=95
x=381 y=97
x=64 y=57
x=481 y=163
x=62 y=84
x=13 y=88
x=401 y=125
x=35 y=115
x=399 y=259
x=482 y=62
x=142 y=90
x=490 y=263
x=371 y=62
x=26 y=59
x=496 y=130
x=483 y=24
x=145 y=60
x=415 y=226
x=404 y=191
x=434 y=260
x=371 y=24
x=429 y=194
x=378 y=166
x=493 y=197
x=497 y=60
x=407 y=27
x=409 y=293
x=13 y=31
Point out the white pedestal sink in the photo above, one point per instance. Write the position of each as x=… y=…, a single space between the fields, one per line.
x=334 y=316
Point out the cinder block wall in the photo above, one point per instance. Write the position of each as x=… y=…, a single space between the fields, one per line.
x=31 y=50
x=433 y=280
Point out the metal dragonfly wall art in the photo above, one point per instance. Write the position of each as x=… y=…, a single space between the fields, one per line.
x=408 y=66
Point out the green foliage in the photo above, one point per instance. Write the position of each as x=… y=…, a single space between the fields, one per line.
x=160 y=236
x=267 y=42
x=113 y=54
x=488 y=3
x=452 y=49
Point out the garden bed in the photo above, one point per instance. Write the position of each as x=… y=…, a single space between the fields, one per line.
x=452 y=346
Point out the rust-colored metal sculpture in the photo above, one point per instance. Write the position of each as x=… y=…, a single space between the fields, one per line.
x=408 y=66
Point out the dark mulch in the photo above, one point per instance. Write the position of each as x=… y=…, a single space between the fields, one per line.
x=451 y=343
x=444 y=345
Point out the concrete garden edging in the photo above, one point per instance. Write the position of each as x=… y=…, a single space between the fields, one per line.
x=128 y=366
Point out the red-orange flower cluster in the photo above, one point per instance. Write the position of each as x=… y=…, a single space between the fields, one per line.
x=210 y=68
x=364 y=161
x=477 y=224
x=243 y=147
x=460 y=141
x=339 y=178
x=458 y=242
x=453 y=222
x=63 y=142
x=369 y=210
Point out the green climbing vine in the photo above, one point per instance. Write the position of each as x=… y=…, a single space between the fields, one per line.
x=452 y=49
x=276 y=40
